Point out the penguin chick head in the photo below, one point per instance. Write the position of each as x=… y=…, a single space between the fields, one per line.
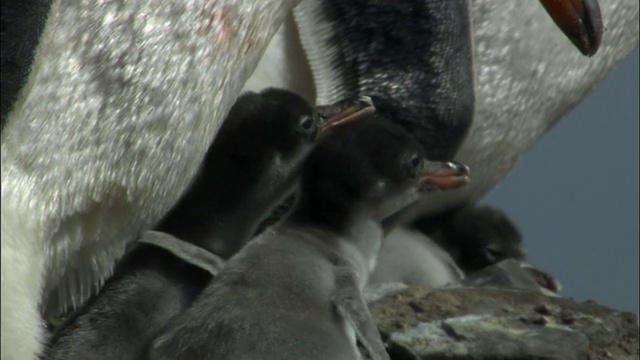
x=268 y=134
x=278 y=120
x=483 y=236
x=369 y=168
x=274 y=121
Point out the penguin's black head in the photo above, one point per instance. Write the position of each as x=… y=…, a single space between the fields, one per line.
x=373 y=167
x=258 y=151
x=479 y=236
x=280 y=122
x=274 y=120
x=486 y=236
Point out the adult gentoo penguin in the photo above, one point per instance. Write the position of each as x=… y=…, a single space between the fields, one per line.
x=122 y=103
x=236 y=188
x=90 y=158
x=295 y=291
x=519 y=101
x=526 y=74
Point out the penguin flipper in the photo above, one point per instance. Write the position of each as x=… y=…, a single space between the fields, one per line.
x=157 y=279
x=188 y=252
x=351 y=305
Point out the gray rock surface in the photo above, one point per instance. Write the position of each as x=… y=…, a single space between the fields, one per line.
x=501 y=323
x=512 y=273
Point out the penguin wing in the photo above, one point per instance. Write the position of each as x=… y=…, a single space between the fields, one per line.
x=190 y=253
x=350 y=304
x=158 y=278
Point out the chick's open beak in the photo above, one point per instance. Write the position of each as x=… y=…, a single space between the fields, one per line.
x=444 y=175
x=344 y=112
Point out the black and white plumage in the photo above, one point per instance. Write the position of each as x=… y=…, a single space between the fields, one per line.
x=93 y=152
x=527 y=74
x=123 y=101
x=295 y=291
x=517 y=102
x=412 y=258
x=22 y=23
x=358 y=48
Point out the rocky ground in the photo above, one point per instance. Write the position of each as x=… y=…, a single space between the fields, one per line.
x=488 y=322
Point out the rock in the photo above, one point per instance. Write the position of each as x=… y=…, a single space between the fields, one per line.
x=373 y=293
x=516 y=274
x=501 y=323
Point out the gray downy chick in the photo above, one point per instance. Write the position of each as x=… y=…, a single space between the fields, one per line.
x=479 y=236
x=441 y=250
x=295 y=291
x=161 y=275
x=156 y=280
x=410 y=257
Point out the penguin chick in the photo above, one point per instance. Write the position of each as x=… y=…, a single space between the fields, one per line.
x=295 y=291
x=480 y=236
x=441 y=250
x=410 y=257
x=252 y=165
x=475 y=236
x=156 y=280
x=140 y=298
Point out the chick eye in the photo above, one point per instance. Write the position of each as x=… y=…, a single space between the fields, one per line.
x=415 y=160
x=306 y=122
x=493 y=253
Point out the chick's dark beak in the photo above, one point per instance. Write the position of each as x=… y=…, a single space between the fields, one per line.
x=444 y=175
x=344 y=112
x=580 y=20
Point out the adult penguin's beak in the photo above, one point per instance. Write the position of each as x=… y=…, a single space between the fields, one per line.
x=580 y=20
